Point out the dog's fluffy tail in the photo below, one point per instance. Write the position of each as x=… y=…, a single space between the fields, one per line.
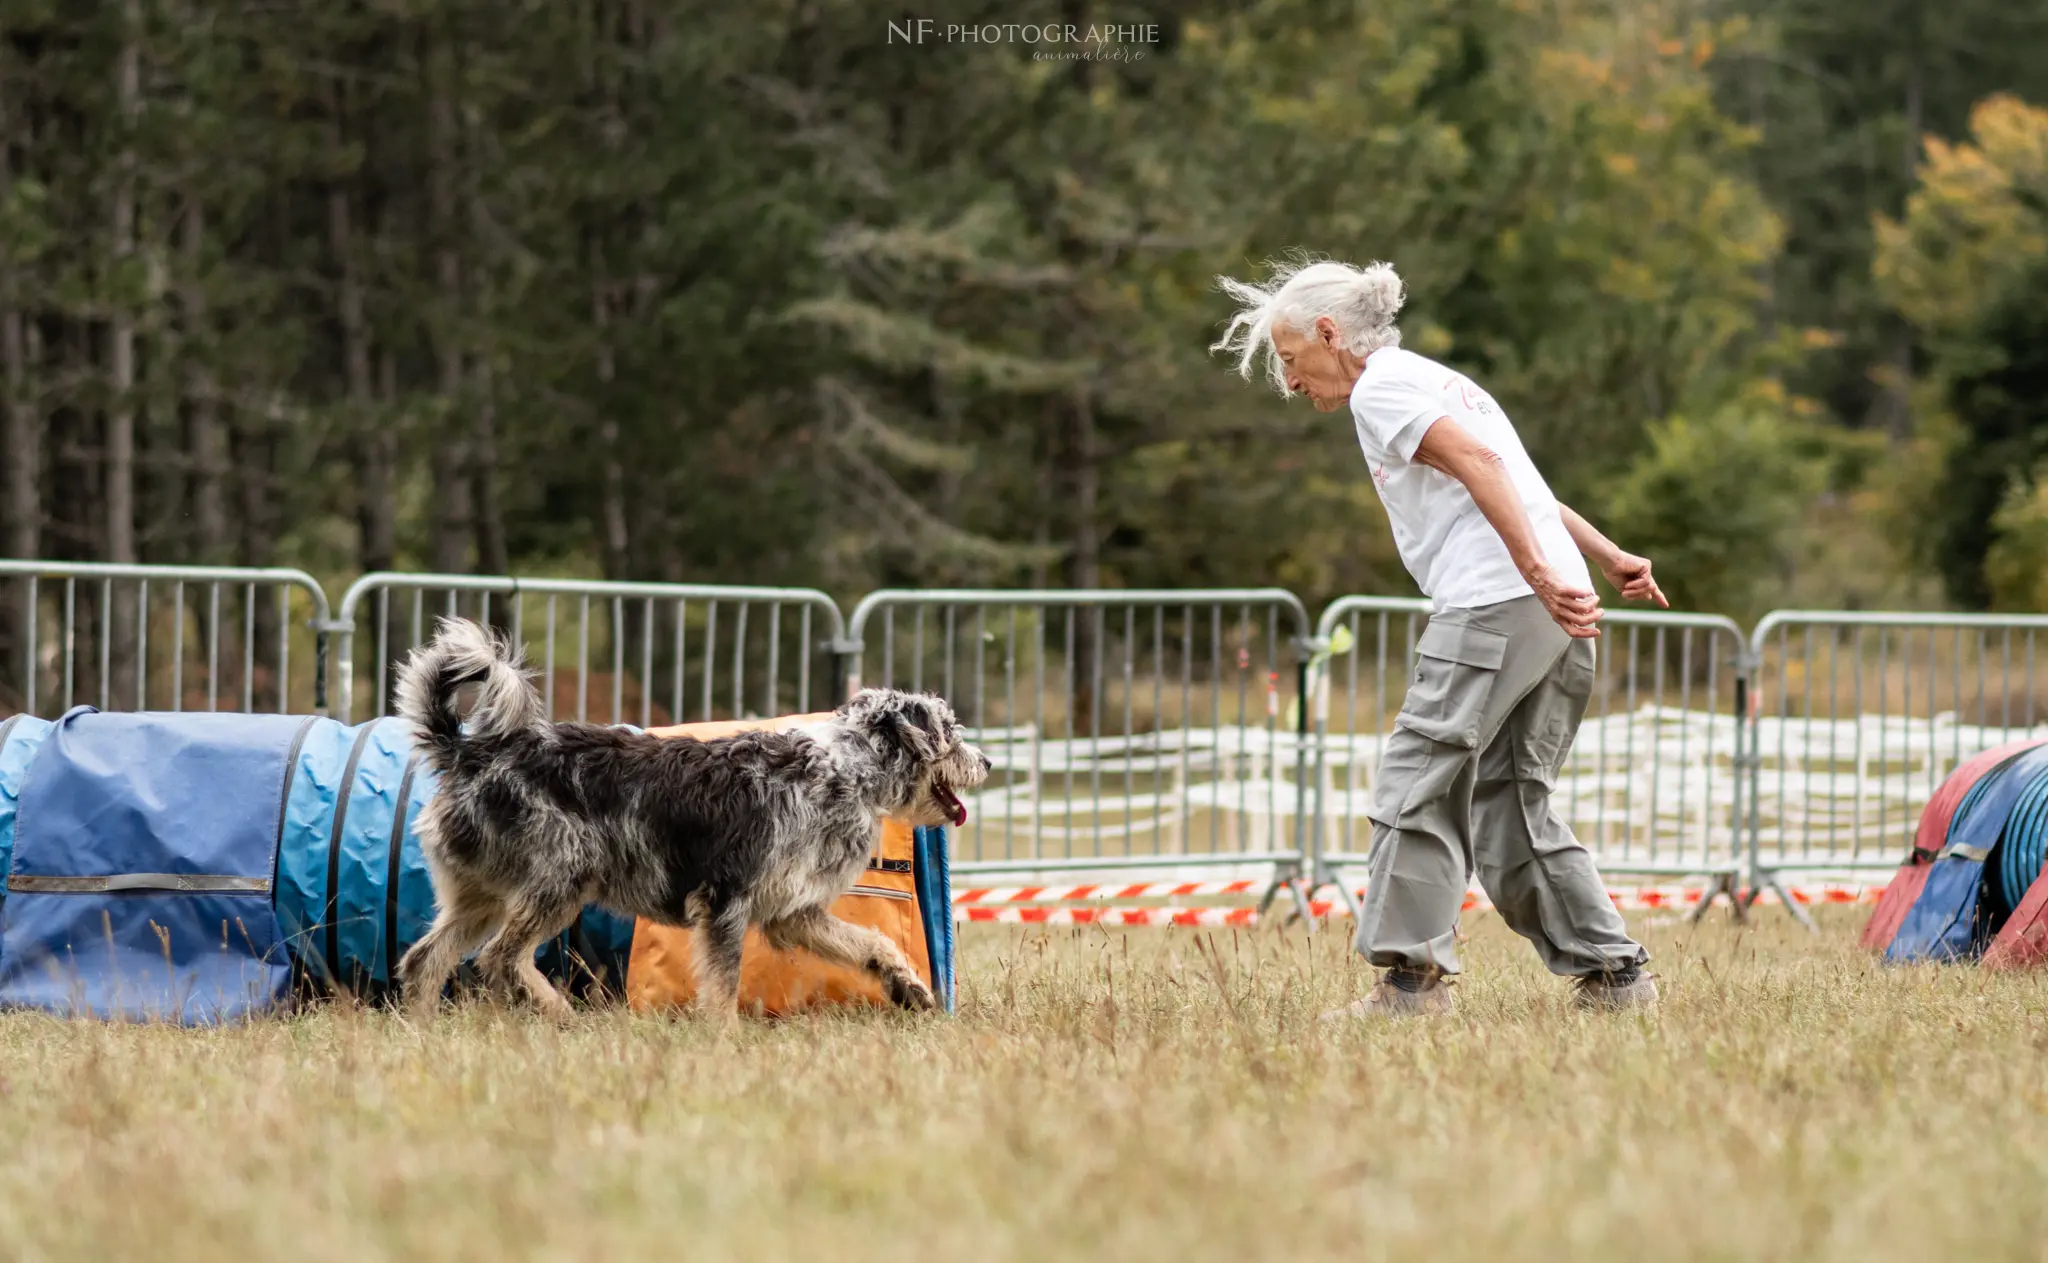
x=463 y=652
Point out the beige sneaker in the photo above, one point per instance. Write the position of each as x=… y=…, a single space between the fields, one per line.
x=1612 y=993
x=1430 y=996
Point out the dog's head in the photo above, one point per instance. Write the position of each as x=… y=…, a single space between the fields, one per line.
x=927 y=765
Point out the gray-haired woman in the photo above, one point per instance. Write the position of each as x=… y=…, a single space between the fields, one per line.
x=1504 y=669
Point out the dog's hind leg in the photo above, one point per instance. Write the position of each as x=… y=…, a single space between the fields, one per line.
x=465 y=920
x=717 y=946
x=857 y=947
x=507 y=960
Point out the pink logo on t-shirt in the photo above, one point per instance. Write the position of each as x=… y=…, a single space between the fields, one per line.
x=1379 y=476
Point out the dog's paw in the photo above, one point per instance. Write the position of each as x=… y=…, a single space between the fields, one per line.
x=908 y=991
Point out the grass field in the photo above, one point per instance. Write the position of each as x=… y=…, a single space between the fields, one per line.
x=1145 y=1095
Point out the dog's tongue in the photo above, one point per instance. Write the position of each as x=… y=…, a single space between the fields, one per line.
x=956 y=807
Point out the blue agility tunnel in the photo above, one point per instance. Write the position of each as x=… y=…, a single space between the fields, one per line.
x=198 y=867
x=1992 y=852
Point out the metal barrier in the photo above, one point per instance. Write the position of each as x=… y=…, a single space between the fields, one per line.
x=1651 y=784
x=1858 y=719
x=651 y=654
x=1128 y=729
x=132 y=637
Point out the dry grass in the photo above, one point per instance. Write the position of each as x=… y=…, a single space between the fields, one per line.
x=1100 y=1095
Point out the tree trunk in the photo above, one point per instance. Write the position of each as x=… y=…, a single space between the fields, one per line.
x=491 y=551
x=119 y=505
x=21 y=447
x=256 y=464
x=23 y=423
x=396 y=633
x=1084 y=563
x=613 y=497
x=376 y=447
x=490 y=517
x=1898 y=401
x=209 y=437
x=451 y=492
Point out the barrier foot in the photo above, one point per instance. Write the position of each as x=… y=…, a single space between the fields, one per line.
x=1771 y=882
x=1352 y=904
x=1301 y=910
x=1724 y=884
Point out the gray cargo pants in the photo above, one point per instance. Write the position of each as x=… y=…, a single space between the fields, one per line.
x=1464 y=785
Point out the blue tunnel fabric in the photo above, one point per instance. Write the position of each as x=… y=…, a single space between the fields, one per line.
x=1949 y=920
x=192 y=866
x=353 y=888
x=20 y=737
x=304 y=831
x=932 y=876
x=2024 y=847
x=140 y=884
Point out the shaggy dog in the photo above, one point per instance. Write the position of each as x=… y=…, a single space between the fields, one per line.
x=534 y=819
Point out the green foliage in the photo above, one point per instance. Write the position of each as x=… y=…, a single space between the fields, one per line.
x=1967 y=265
x=1717 y=502
x=732 y=291
x=2016 y=563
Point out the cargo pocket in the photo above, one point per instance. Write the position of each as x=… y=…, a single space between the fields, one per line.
x=1561 y=703
x=1455 y=667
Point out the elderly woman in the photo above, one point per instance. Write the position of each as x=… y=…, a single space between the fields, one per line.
x=1504 y=668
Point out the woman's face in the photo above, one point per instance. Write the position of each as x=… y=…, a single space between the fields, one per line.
x=1317 y=364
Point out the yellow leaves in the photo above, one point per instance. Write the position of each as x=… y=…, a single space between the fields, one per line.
x=1814 y=339
x=1621 y=163
x=1699 y=52
x=2012 y=134
x=1632 y=279
x=1974 y=221
x=1595 y=71
x=1431 y=339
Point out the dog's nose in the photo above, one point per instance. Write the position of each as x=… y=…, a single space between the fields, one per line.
x=987 y=764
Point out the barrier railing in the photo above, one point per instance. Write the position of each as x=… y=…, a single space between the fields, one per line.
x=644 y=653
x=1129 y=729
x=1859 y=717
x=133 y=637
x=1651 y=784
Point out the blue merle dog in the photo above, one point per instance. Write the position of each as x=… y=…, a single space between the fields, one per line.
x=535 y=819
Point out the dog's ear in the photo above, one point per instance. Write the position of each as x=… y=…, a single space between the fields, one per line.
x=903 y=724
x=906 y=721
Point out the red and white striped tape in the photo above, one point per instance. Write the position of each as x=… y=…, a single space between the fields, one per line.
x=1139 y=890
x=1001 y=905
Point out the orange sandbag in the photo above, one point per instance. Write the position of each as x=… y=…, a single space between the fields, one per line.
x=781 y=982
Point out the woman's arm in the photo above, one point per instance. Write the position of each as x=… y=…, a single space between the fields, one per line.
x=1597 y=548
x=1450 y=449
x=1629 y=573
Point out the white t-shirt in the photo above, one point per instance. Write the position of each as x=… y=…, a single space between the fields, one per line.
x=1445 y=541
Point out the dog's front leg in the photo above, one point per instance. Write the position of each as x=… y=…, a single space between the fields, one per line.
x=857 y=947
x=719 y=942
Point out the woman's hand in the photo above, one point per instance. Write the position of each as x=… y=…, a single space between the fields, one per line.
x=1630 y=576
x=1577 y=610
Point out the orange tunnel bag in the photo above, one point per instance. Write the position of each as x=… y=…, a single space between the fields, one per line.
x=659 y=974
